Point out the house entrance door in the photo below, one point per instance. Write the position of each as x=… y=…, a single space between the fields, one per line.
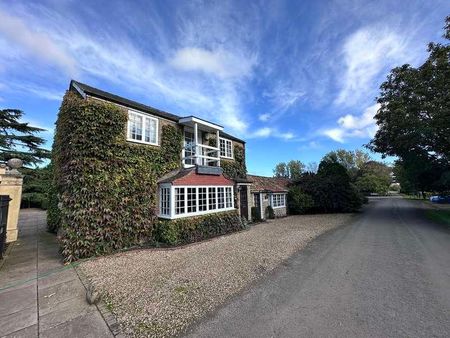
x=257 y=202
x=243 y=201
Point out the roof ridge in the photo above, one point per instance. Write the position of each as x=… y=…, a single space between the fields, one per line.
x=136 y=105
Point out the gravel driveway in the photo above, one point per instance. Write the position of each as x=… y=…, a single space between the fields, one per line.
x=160 y=292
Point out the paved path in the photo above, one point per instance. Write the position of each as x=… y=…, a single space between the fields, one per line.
x=386 y=275
x=39 y=297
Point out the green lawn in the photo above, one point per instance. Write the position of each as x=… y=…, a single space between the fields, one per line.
x=440 y=216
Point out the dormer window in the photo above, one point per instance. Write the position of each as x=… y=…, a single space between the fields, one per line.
x=226 y=149
x=142 y=128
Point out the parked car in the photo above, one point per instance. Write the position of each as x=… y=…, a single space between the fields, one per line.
x=440 y=199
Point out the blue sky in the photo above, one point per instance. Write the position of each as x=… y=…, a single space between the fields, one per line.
x=295 y=79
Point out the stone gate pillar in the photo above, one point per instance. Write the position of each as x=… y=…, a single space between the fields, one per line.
x=11 y=184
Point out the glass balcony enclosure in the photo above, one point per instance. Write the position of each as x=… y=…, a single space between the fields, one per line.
x=196 y=151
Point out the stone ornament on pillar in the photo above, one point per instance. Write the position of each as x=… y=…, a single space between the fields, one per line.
x=14 y=164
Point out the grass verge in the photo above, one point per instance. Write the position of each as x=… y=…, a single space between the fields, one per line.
x=439 y=216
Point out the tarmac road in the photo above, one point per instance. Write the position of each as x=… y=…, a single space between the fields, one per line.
x=385 y=275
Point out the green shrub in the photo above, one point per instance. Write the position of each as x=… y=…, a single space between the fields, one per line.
x=104 y=188
x=331 y=189
x=256 y=216
x=298 y=201
x=270 y=214
x=193 y=229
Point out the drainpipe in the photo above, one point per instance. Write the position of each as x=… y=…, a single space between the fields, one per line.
x=261 y=205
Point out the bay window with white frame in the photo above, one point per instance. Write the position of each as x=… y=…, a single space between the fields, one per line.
x=142 y=128
x=278 y=200
x=185 y=201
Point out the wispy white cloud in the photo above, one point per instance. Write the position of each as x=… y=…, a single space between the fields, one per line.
x=283 y=96
x=219 y=63
x=311 y=145
x=351 y=126
x=264 y=117
x=203 y=81
x=265 y=132
x=368 y=54
x=39 y=45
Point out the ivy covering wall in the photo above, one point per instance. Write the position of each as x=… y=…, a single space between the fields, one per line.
x=105 y=188
x=232 y=168
x=236 y=168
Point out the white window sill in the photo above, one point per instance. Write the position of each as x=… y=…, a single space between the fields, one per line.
x=142 y=142
x=283 y=206
x=194 y=214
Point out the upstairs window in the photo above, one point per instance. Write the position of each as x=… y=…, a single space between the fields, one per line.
x=226 y=149
x=142 y=128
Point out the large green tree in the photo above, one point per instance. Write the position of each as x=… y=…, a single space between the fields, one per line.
x=414 y=117
x=374 y=177
x=18 y=139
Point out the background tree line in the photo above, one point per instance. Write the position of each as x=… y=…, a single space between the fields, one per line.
x=339 y=184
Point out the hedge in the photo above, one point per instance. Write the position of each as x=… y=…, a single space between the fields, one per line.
x=104 y=187
x=189 y=230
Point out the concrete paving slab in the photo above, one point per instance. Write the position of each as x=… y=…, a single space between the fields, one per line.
x=57 y=277
x=18 y=320
x=51 y=296
x=63 y=312
x=90 y=325
x=15 y=300
x=28 y=332
x=59 y=297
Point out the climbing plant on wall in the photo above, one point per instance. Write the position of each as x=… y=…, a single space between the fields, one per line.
x=104 y=187
x=236 y=168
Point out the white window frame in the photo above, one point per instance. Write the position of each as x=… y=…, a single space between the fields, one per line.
x=228 y=205
x=143 y=116
x=277 y=199
x=164 y=200
x=231 y=155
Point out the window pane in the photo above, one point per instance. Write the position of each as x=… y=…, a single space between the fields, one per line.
x=202 y=198
x=150 y=130
x=228 y=152
x=222 y=148
x=165 y=201
x=135 y=126
x=229 y=197
x=191 y=199
x=189 y=147
x=179 y=201
x=221 y=198
x=212 y=198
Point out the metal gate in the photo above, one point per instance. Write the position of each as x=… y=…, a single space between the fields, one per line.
x=4 y=205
